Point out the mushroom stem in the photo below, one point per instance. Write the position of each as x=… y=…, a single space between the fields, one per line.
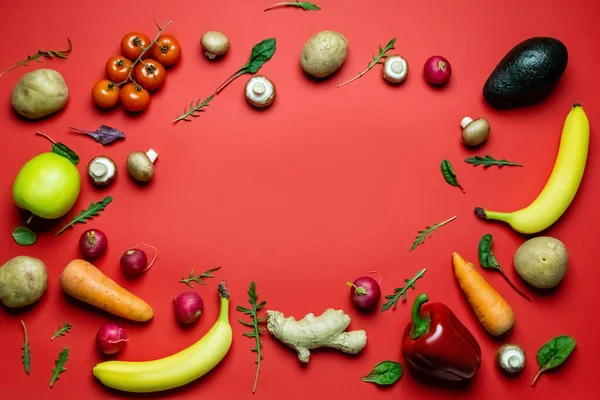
x=397 y=67
x=465 y=121
x=259 y=88
x=152 y=155
x=98 y=169
x=210 y=56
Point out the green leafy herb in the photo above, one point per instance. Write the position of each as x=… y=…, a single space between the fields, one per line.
x=449 y=175
x=254 y=324
x=553 y=353
x=197 y=278
x=24 y=236
x=41 y=53
x=59 y=365
x=92 y=211
x=385 y=373
x=193 y=110
x=420 y=239
x=488 y=260
x=62 y=149
x=261 y=53
x=26 y=353
x=62 y=330
x=489 y=161
x=305 y=5
x=401 y=292
x=376 y=60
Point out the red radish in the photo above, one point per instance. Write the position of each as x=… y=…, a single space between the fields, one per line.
x=111 y=339
x=365 y=293
x=134 y=261
x=92 y=243
x=188 y=307
x=437 y=70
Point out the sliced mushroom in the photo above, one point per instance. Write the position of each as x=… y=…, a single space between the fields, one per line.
x=475 y=132
x=215 y=44
x=260 y=91
x=510 y=358
x=141 y=165
x=395 y=69
x=102 y=170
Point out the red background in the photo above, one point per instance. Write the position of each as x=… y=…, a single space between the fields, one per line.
x=322 y=187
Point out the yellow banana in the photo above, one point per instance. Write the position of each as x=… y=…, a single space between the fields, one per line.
x=176 y=370
x=562 y=185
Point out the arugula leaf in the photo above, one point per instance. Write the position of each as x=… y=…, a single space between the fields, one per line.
x=261 y=53
x=59 y=365
x=62 y=330
x=92 y=211
x=422 y=234
x=384 y=373
x=24 y=236
x=489 y=161
x=553 y=353
x=103 y=135
x=197 y=278
x=375 y=61
x=449 y=175
x=26 y=353
x=401 y=292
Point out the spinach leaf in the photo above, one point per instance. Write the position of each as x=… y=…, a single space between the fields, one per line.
x=449 y=175
x=62 y=150
x=261 y=53
x=24 y=236
x=553 y=353
x=385 y=373
x=486 y=256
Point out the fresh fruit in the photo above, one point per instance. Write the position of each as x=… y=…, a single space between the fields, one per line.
x=117 y=69
x=150 y=74
x=527 y=74
x=542 y=262
x=562 y=185
x=167 y=50
x=47 y=186
x=105 y=94
x=133 y=43
x=324 y=53
x=134 y=98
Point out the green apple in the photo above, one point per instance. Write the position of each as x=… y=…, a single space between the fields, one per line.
x=47 y=186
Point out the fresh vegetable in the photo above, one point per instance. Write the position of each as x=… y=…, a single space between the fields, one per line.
x=62 y=331
x=193 y=110
x=510 y=358
x=104 y=134
x=437 y=70
x=214 y=44
x=92 y=211
x=326 y=330
x=150 y=74
x=324 y=53
x=133 y=44
x=254 y=324
x=61 y=149
x=493 y=312
x=395 y=68
x=260 y=91
x=553 y=353
x=527 y=74
x=436 y=343
x=449 y=174
x=134 y=98
x=166 y=50
x=93 y=243
x=475 y=132
x=117 y=68
x=562 y=185
x=401 y=292
x=105 y=93
x=384 y=373
x=26 y=357
x=59 y=365
x=41 y=53
x=420 y=239
x=40 y=93
x=197 y=278
x=177 y=369
x=365 y=292
x=488 y=260
x=140 y=165
x=542 y=262
x=24 y=236
x=488 y=161
x=134 y=261
x=23 y=281
x=305 y=5
x=188 y=307
x=85 y=282
x=111 y=339
x=102 y=170
x=261 y=53
x=376 y=60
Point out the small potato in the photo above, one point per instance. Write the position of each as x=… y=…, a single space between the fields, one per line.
x=324 y=53
x=23 y=280
x=40 y=93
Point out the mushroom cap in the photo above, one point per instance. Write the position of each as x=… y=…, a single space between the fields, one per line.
x=260 y=91
x=476 y=132
x=140 y=166
x=102 y=170
x=215 y=42
x=395 y=69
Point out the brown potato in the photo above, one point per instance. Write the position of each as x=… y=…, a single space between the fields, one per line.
x=324 y=53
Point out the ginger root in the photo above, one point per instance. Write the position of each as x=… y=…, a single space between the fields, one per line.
x=326 y=330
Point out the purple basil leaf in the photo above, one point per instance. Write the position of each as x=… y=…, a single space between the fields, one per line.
x=103 y=135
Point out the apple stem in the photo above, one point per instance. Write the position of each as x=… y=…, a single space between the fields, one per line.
x=29 y=219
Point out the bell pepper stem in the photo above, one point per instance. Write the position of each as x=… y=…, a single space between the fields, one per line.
x=420 y=324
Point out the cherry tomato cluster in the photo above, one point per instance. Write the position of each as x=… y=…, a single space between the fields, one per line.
x=140 y=69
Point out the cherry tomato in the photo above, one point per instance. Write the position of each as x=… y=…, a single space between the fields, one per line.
x=167 y=50
x=117 y=68
x=133 y=44
x=150 y=74
x=105 y=94
x=134 y=98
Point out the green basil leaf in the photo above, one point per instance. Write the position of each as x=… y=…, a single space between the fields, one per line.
x=261 y=53
x=486 y=256
x=62 y=150
x=384 y=373
x=24 y=236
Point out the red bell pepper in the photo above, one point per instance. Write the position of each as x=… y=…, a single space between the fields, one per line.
x=436 y=344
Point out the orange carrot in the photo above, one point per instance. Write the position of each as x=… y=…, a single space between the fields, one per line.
x=493 y=312
x=85 y=282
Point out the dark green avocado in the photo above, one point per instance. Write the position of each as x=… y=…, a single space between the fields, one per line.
x=527 y=74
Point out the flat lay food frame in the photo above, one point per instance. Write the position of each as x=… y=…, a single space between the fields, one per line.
x=299 y=200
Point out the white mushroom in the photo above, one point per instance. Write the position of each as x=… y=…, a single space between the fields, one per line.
x=102 y=170
x=395 y=69
x=141 y=165
x=214 y=43
x=260 y=91
x=511 y=358
x=475 y=132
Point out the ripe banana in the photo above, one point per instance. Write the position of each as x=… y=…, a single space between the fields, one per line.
x=562 y=185
x=176 y=370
